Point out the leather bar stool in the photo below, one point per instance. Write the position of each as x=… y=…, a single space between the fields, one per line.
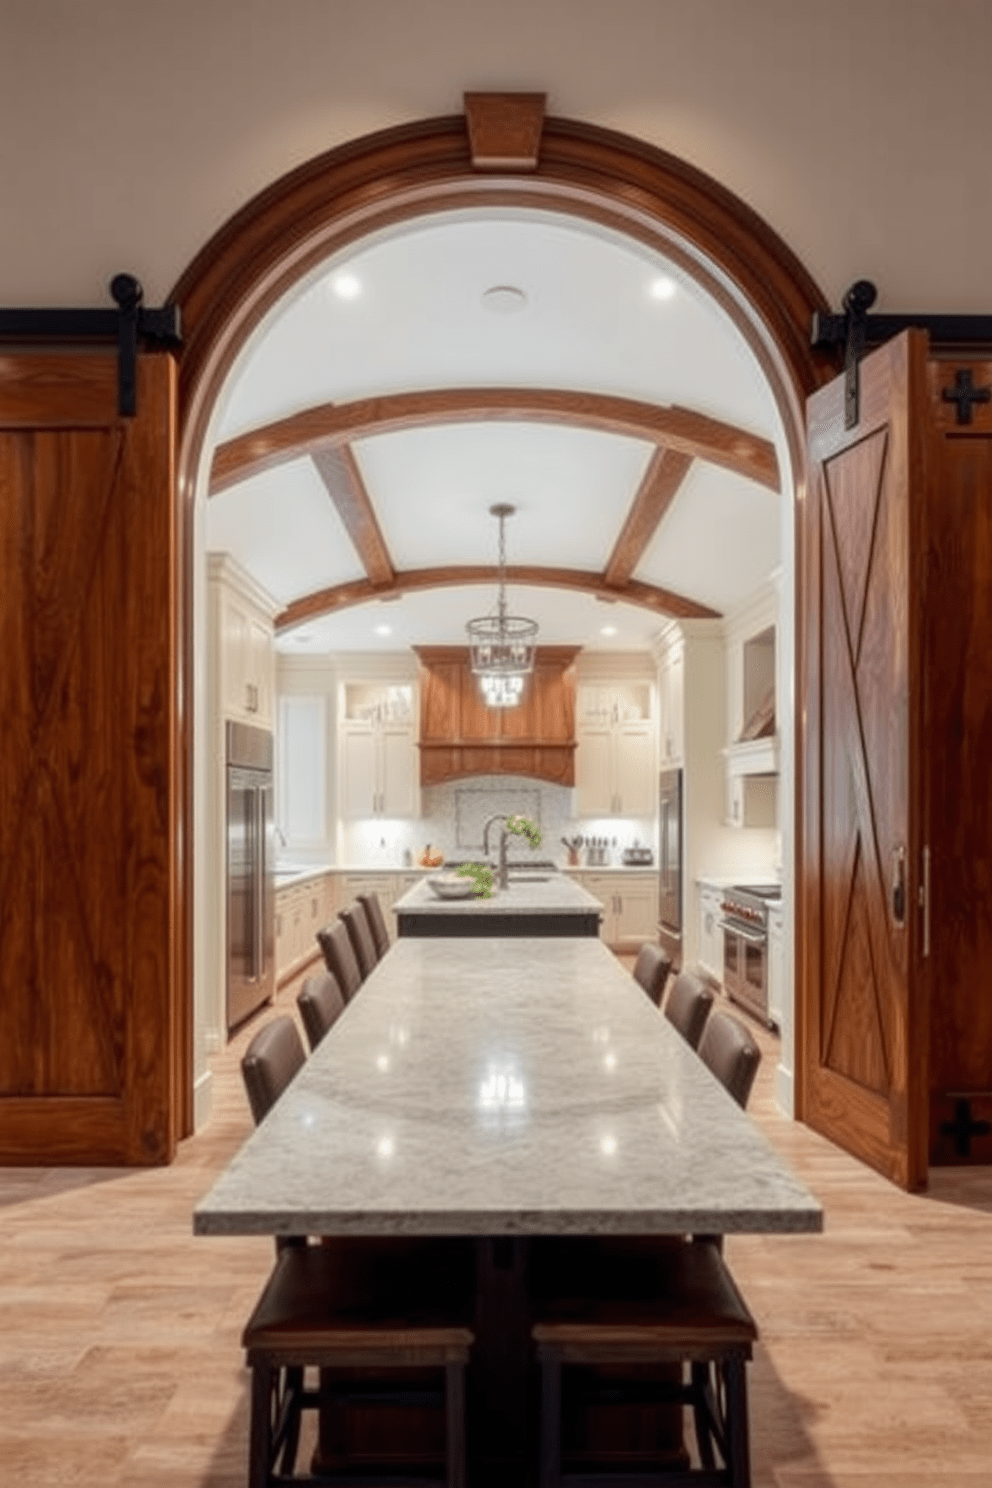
x=729 y=1050
x=651 y=971
x=339 y=957
x=362 y=1305
x=321 y=1004
x=269 y=1063
x=377 y=923
x=603 y=1303
x=357 y=921
x=687 y=1007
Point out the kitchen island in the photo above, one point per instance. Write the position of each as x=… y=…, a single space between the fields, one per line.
x=534 y=905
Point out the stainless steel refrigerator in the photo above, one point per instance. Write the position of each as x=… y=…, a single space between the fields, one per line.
x=670 y=863
x=250 y=872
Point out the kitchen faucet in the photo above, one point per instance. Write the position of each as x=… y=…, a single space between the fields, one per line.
x=503 y=880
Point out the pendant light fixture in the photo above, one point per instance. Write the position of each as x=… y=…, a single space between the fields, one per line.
x=502 y=645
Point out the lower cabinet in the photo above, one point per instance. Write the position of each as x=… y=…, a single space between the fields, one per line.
x=630 y=906
x=710 y=934
x=388 y=886
x=776 y=965
x=301 y=910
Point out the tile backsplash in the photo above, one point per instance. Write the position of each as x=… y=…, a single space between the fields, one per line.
x=453 y=815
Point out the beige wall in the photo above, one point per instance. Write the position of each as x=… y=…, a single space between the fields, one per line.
x=131 y=129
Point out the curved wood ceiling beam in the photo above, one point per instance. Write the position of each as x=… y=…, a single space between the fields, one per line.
x=361 y=591
x=329 y=425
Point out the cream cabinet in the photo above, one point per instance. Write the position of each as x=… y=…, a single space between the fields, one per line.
x=710 y=951
x=389 y=887
x=671 y=705
x=377 y=751
x=302 y=909
x=615 y=765
x=776 y=965
x=630 y=905
x=244 y=653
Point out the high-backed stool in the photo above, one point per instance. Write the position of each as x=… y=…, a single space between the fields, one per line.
x=687 y=1007
x=651 y=970
x=321 y=1004
x=273 y=1057
x=730 y=1051
x=604 y=1304
x=357 y=921
x=339 y=958
x=358 y=1304
x=377 y=922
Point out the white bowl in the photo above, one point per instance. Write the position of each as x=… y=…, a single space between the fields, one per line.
x=451 y=886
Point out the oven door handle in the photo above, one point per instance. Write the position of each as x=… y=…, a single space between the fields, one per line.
x=753 y=937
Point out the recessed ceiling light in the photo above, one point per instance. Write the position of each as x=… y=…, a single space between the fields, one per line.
x=504 y=299
x=384 y=630
x=608 y=630
x=346 y=286
x=662 y=288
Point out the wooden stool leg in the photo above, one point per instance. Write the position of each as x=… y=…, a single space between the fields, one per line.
x=738 y=1446
x=260 y=1434
x=701 y=1389
x=293 y=1389
x=550 y=1417
x=455 y=1422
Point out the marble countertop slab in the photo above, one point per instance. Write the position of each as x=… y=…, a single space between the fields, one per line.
x=556 y=894
x=505 y=1087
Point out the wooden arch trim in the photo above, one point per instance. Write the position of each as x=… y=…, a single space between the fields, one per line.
x=330 y=425
x=361 y=591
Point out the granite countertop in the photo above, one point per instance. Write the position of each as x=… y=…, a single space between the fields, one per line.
x=555 y=894
x=505 y=1087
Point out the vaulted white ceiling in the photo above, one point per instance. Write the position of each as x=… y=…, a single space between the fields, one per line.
x=595 y=313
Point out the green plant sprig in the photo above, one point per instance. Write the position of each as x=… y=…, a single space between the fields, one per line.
x=522 y=826
x=482 y=876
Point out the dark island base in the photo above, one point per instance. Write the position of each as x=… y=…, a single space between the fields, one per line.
x=516 y=924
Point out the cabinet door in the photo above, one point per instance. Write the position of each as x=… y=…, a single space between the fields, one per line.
x=282 y=932
x=358 y=770
x=603 y=887
x=710 y=934
x=594 y=765
x=259 y=690
x=776 y=968
x=637 y=911
x=635 y=788
x=236 y=658
x=397 y=785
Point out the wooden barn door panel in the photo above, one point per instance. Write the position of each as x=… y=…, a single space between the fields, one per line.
x=88 y=967
x=864 y=1047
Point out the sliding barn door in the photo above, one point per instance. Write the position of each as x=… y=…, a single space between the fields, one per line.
x=863 y=1024
x=88 y=963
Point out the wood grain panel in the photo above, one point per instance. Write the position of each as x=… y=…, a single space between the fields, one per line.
x=361 y=591
x=504 y=129
x=88 y=864
x=330 y=425
x=666 y=471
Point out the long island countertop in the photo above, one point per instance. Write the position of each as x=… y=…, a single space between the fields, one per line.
x=533 y=904
x=505 y=1087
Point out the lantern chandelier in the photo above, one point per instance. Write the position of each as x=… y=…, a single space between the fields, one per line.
x=502 y=645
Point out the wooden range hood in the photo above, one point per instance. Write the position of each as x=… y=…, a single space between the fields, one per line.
x=460 y=735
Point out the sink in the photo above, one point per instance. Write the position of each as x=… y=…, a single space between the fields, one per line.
x=516 y=878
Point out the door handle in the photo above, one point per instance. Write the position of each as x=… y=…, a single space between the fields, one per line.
x=925 y=900
x=899 y=886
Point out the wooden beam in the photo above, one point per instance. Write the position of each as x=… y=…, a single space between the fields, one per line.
x=666 y=471
x=361 y=591
x=504 y=129
x=329 y=425
x=339 y=471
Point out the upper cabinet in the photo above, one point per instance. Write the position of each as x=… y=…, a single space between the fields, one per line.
x=460 y=735
x=616 y=762
x=671 y=700
x=377 y=749
x=242 y=616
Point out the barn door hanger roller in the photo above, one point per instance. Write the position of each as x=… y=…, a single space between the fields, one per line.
x=855 y=330
x=130 y=323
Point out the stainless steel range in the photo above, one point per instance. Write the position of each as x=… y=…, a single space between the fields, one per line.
x=745 y=945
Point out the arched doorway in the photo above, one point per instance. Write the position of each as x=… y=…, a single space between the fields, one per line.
x=417 y=170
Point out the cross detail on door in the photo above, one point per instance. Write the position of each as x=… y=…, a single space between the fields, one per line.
x=964 y=1127
x=964 y=394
